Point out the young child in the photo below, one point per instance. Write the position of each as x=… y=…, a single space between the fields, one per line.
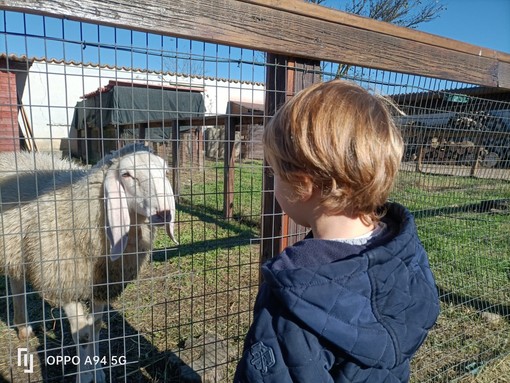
x=354 y=300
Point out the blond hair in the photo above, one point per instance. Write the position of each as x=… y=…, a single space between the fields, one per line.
x=343 y=139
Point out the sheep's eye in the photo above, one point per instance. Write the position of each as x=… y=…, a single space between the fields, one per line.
x=126 y=175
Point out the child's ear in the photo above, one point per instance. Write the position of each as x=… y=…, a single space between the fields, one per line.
x=306 y=187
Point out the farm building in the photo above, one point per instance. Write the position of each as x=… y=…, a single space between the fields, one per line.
x=58 y=101
x=468 y=126
x=131 y=111
x=467 y=99
x=13 y=74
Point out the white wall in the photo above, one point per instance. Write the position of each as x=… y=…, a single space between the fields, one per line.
x=53 y=89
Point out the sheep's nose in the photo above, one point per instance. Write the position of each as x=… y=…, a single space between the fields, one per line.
x=164 y=215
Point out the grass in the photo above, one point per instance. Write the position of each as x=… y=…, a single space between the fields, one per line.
x=469 y=252
x=421 y=192
x=192 y=305
x=207 y=301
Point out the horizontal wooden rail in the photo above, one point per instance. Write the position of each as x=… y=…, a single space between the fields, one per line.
x=360 y=22
x=292 y=28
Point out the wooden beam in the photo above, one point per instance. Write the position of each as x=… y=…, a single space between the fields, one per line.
x=301 y=74
x=199 y=148
x=175 y=158
x=285 y=77
x=276 y=83
x=291 y=28
x=229 y=166
x=360 y=22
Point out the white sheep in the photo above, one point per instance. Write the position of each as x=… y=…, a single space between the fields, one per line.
x=64 y=228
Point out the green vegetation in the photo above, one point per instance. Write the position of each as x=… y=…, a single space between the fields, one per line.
x=468 y=244
x=202 y=292
x=421 y=192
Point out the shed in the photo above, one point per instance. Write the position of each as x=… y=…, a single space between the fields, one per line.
x=467 y=99
x=123 y=111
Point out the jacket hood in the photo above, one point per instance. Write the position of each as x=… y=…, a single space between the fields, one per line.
x=375 y=305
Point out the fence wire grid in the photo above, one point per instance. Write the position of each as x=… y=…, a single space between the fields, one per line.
x=81 y=91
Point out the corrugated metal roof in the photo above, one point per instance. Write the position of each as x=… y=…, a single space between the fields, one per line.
x=23 y=58
x=144 y=84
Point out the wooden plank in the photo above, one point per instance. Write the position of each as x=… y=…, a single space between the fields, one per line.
x=291 y=28
x=175 y=159
x=271 y=210
x=199 y=151
x=304 y=73
x=289 y=90
x=324 y=13
x=285 y=77
x=229 y=166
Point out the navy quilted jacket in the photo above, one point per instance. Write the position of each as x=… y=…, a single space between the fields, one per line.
x=332 y=312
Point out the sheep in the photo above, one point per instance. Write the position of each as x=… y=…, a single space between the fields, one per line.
x=14 y=164
x=79 y=235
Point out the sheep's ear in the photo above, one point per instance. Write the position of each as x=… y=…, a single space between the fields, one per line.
x=117 y=226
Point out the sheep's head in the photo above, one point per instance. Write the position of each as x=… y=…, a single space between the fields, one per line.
x=137 y=183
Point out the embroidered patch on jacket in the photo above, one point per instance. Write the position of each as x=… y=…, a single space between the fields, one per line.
x=262 y=357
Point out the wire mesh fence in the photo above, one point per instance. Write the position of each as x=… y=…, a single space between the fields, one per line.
x=82 y=91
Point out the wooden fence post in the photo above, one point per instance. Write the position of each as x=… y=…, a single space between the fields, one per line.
x=285 y=77
x=229 y=164
x=175 y=157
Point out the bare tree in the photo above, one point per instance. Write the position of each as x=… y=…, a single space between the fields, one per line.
x=186 y=64
x=405 y=13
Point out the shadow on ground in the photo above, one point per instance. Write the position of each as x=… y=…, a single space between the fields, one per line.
x=144 y=363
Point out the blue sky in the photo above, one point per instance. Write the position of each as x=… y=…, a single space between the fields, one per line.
x=480 y=22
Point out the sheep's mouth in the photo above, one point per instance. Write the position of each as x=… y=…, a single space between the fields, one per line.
x=159 y=220
x=164 y=218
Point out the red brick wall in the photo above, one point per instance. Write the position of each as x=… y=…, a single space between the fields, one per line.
x=9 y=132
